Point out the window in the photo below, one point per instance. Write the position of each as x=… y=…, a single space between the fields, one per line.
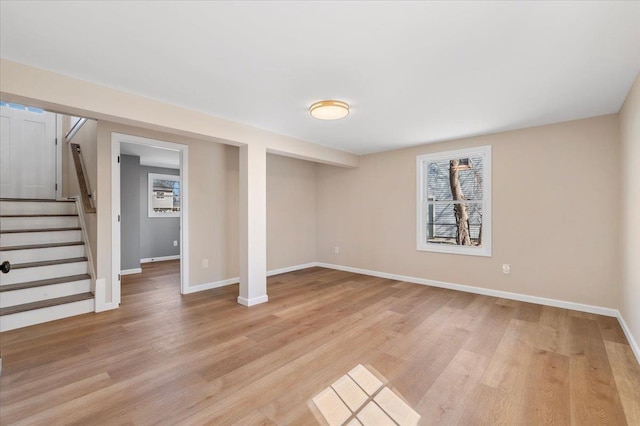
x=164 y=195
x=454 y=201
x=21 y=107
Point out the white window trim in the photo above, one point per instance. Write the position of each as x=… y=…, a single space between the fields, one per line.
x=422 y=205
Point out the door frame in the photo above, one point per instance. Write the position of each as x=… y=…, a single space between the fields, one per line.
x=183 y=150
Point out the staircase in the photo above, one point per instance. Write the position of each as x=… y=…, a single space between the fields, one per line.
x=49 y=270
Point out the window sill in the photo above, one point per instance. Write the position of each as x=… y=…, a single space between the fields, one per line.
x=451 y=249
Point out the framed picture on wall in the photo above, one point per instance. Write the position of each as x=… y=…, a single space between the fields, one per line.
x=164 y=195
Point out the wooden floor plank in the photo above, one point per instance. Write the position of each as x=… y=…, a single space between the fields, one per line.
x=594 y=395
x=55 y=397
x=455 y=358
x=492 y=327
x=508 y=372
x=611 y=330
x=547 y=389
x=626 y=373
x=445 y=401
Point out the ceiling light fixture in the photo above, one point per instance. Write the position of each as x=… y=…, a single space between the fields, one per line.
x=329 y=110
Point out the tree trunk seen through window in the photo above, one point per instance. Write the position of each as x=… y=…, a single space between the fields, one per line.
x=463 y=237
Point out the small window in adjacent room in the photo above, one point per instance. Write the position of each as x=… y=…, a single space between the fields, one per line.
x=164 y=195
x=454 y=201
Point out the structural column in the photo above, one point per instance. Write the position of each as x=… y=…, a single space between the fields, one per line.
x=253 y=225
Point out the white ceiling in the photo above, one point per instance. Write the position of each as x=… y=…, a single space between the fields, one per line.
x=413 y=73
x=152 y=156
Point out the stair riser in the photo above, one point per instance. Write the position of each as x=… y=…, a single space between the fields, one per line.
x=36 y=207
x=37 y=255
x=25 y=238
x=43 y=273
x=28 y=295
x=11 y=223
x=37 y=316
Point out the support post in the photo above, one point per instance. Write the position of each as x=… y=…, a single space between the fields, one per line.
x=253 y=225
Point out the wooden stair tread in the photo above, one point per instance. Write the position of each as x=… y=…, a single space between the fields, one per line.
x=38 y=200
x=38 y=215
x=45 y=303
x=40 y=283
x=39 y=246
x=48 y=263
x=19 y=231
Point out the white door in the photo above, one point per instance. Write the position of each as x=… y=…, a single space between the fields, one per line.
x=27 y=154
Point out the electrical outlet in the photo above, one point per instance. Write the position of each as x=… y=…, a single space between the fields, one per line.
x=175 y=243
x=506 y=268
x=205 y=263
x=337 y=249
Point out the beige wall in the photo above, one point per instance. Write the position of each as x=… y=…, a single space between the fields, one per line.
x=291 y=212
x=213 y=206
x=87 y=138
x=555 y=195
x=232 y=209
x=630 y=209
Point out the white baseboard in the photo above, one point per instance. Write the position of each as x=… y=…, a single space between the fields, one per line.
x=105 y=306
x=100 y=297
x=209 y=286
x=236 y=280
x=131 y=271
x=254 y=301
x=627 y=332
x=291 y=269
x=159 y=259
x=479 y=290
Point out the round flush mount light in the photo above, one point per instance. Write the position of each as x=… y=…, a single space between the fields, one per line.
x=329 y=110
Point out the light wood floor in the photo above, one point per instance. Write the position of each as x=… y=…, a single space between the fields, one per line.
x=456 y=358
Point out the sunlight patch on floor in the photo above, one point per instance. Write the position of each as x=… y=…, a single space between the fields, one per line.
x=359 y=398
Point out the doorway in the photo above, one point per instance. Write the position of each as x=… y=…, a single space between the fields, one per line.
x=155 y=187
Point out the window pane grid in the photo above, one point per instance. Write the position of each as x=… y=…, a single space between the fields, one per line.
x=444 y=202
x=467 y=173
x=454 y=223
